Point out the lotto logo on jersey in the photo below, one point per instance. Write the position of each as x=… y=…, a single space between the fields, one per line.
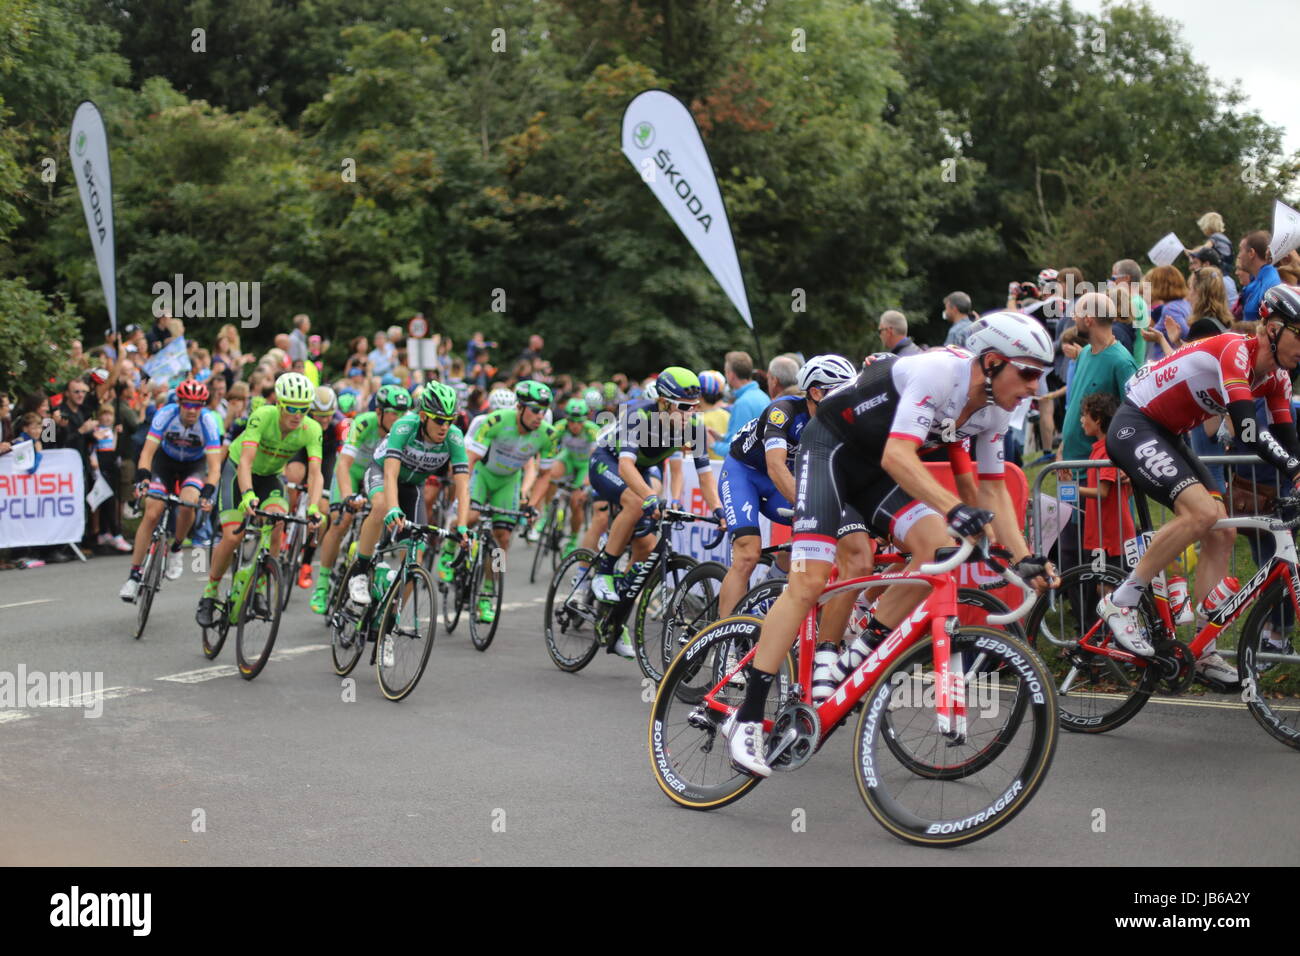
x=1241 y=359
x=1157 y=462
x=1166 y=375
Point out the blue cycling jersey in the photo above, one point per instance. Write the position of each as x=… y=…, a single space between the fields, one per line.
x=778 y=427
x=182 y=442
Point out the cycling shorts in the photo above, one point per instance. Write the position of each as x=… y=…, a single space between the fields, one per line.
x=1156 y=460
x=499 y=491
x=358 y=485
x=170 y=475
x=838 y=494
x=268 y=488
x=575 y=467
x=746 y=493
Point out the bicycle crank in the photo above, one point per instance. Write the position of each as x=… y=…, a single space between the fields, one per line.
x=795 y=735
x=1176 y=665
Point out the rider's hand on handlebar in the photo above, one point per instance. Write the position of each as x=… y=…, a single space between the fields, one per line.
x=1038 y=572
x=650 y=505
x=356 y=502
x=395 y=519
x=313 y=514
x=967 y=522
x=721 y=516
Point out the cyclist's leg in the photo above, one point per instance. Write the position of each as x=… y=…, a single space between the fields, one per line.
x=368 y=536
x=153 y=511
x=271 y=493
x=854 y=559
x=740 y=504
x=190 y=488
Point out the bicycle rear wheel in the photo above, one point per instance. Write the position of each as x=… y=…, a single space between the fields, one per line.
x=290 y=556
x=691 y=608
x=150 y=581
x=570 y=614
x=347 y=641
x=489 y=580
x=543 y=543
x=1094 y=693
x=406 y=630
x=260 y=619
x=688 y=754
x=983 y=790
x=1271 y=689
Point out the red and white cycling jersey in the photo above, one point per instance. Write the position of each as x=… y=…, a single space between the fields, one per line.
x=1184 y=389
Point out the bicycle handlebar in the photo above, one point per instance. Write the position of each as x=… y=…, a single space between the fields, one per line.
x=172 y=499
x=963 y=553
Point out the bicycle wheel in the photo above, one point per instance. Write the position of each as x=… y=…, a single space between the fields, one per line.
x=570 y=606
x=407 y=624
x=950 y=810
x=688 y=755
x=347 y=640
x=652 y=606
x=692 y=607
x=290 y=561
x=489 y=580
x=1094 y=693
x=1269 y=688
x=260 y=620
x=543 y=542
x=214 y=638
x=150 y=581
x=759 y=599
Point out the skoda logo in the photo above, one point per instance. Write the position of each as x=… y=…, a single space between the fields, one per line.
x=643 y=134
x=81 y=143
x=1123 y=433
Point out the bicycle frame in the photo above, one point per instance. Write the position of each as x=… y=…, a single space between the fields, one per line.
x=937 y=615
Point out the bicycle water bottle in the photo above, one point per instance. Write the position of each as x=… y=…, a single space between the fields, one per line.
x=1221 y=593
x=843 y=665
x=383 y=574
x=860 y=614
x=1179 y=601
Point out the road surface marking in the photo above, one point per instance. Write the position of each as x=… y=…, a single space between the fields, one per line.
x=27 y=603
x=229 y=670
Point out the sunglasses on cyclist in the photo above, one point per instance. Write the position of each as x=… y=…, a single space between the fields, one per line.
x=685 y=406
x=439 y=419
x=1030 y=373
x=295 y=409
x=192 y=405
x=534 y=407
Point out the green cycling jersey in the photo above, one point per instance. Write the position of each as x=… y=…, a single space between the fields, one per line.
x=505 y=450
x=420 y=457
x=274 y=449
x=364 y=437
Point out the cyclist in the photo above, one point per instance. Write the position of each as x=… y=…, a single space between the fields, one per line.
x=648 y=434
x=757 y=474
x=251 y=476
x=184 y=439
x=346 y=487
x=422 y=442
x=859 y=463
x=503 y=442
x=576 y=435
x=334 y=429
x=1223 y=374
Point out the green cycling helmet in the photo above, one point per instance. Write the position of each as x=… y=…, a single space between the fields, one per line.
x=678 y=384
x=347 y=403
x=294 y=388
x=576 y=408
x=533 y=393
x=438 y=400
x=611 y=392
x=393 y=398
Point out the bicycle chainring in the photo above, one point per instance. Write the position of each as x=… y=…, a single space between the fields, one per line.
x=796 y=734
x=1175 y=663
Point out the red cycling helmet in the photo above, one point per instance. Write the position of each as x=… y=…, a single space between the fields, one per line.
x=191 y=391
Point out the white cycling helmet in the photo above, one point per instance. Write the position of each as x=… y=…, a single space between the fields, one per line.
x=826 y=371
x=325 y=400
x=501 y=398
x=1013 y=335
x=650 y=393
x=1047 y=277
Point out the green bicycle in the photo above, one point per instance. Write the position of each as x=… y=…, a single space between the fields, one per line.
x=401 y=619
x=256 y=619
x=478 y=575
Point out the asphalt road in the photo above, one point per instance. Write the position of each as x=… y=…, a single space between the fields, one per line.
x=500 y=758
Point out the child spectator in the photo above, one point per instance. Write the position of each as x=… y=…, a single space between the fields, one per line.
x=1107 y=521
x=106 y=458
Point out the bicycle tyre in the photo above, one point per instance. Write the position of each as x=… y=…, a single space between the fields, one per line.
x=1077 y=707
x=684 y=617
x=542 y=540
x=490 y=559
x=250 y=666
x=686 y=751
x=214 y=638
x=345 y=648
x=1255 y=694
x=586 y=648
x=418 y=577
x=150 y=579
x=1004 y=799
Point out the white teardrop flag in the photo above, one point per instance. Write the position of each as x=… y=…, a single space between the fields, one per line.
x=1286 y=230
x=663 y=144
x=88 y=147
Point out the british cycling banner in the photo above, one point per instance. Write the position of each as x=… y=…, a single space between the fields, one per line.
x=663 y=144
x=46 y=506
x=88 y=147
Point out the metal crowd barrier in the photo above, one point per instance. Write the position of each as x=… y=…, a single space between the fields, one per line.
x=1245 y=482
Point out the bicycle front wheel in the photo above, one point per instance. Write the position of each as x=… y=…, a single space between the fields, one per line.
x=983 y=792
x=260 y=619
x=692 y=607
x=347 y=640
x=150 y=581
x=570 y=614
x=1271 y=689
x=406 y=630
x=485 y=602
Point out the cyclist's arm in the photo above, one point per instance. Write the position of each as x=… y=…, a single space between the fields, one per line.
x=392 y=468
x=214 y=457
x=343 y=474
x=709 y=487
x=1258 y=439
x=967 y=489
x=529 y=481
x=779 y=472
x=147 y=452
x=902 y=463
x=627 y=470
x=994 y=497
x=460 y=481
x=244 y=479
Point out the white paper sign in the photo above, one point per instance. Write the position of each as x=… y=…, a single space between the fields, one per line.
x=99 y=493
x=24 y=456
x=1167 y=250
x=1286 y=230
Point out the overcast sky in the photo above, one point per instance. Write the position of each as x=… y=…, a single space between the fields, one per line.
x=1254 y=41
